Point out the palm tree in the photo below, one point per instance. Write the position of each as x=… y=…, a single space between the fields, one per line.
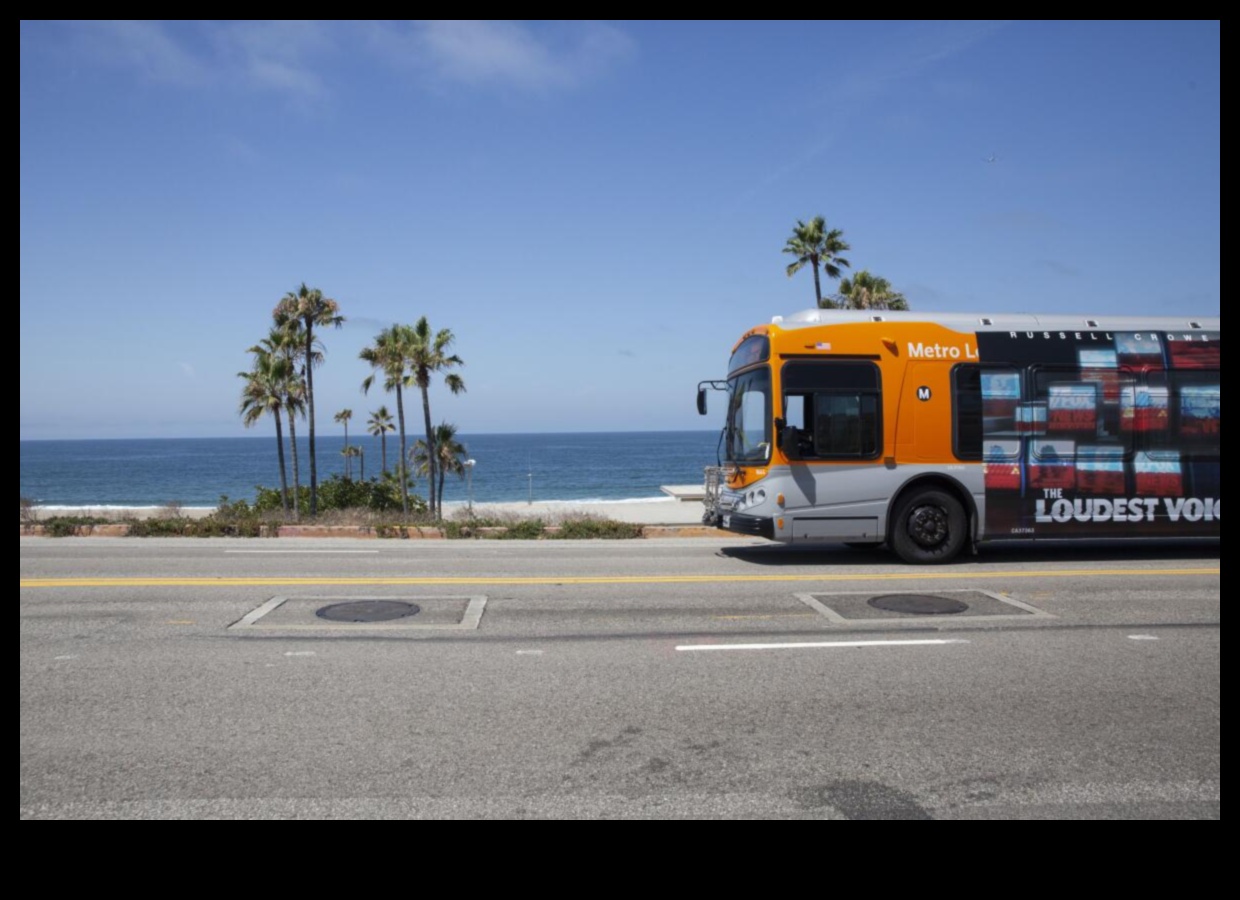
x=428 y=354
x=349 y=454
x=309 y=307
x=449 y=455
x=344 y=416
x=813 y=245
x=389 y=355
x=379 y=424
x=866 y=291
x=286 y=342
x=265 y=390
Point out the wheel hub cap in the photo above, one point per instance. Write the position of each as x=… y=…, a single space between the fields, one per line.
x=928 y=526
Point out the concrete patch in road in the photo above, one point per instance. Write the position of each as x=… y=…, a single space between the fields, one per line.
x=300 y=615
x=918 y=607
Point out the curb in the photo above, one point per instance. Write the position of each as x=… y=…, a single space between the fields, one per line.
x=411 y=532
x=666 y=531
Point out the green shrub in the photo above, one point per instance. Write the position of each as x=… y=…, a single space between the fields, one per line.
x=339 y=493
x=507 y=527
x=67 y=526
x=228 y=511
x=586 y=527
x=209 y=526
x=468 y=526
x=156 y=527
x=524 y=530
x=215 y=527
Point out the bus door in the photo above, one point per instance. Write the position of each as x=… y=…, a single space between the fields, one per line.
x=924 y=429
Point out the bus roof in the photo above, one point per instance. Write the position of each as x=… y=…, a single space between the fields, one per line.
x=967 y=322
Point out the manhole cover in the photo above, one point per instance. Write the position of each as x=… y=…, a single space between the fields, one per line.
x=918 y=604
x=368 y=611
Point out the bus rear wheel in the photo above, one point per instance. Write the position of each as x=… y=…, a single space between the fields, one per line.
x=929 y=527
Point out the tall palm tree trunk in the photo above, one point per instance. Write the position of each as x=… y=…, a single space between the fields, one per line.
x=383 y=449
x=283 y=474
x=348 y=460
x=314 y=474
x=292 y=440
x=432 y=468
x=400 y=469
x=817 y=284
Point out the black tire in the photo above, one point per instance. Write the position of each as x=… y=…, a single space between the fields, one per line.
x=930 y=527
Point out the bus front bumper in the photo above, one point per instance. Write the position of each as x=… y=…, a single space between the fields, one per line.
x=759 y=526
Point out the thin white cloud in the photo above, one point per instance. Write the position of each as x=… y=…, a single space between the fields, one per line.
x=281 y=57
x=922 y=47
x=511 y=54
x=292 y=58
x=144 y=46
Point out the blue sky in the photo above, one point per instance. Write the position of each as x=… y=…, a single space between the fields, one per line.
x=596 y=210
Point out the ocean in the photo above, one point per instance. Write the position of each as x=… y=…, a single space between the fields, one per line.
x=195 y=472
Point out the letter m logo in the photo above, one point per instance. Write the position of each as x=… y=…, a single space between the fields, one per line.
x=923 y=393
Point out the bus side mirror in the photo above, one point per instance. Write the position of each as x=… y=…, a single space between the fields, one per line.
x=701 y=401
x=790 y=442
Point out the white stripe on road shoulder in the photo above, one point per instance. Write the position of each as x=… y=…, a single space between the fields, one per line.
x=821 y=644
x=255 y=614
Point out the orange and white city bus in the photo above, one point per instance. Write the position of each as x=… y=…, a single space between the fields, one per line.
x=931 y=433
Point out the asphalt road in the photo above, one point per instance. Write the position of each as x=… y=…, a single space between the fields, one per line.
x=189 y=678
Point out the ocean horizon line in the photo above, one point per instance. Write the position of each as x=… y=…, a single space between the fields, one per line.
x=197 y=472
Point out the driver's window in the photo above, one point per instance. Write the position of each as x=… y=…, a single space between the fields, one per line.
x=752 y=425
x=794 y=411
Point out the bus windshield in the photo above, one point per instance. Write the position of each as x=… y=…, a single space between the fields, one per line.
x=749 y=417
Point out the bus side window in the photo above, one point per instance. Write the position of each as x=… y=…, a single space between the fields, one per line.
x=1193 y=414
x=836 y=405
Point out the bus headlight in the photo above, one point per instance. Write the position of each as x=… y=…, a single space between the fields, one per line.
x=751 y=498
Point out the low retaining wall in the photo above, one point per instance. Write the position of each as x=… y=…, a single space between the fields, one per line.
x=410 y=532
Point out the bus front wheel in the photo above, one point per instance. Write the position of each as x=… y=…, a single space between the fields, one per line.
x=929 y=527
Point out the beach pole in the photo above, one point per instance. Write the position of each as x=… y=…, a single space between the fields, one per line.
x=469 y=481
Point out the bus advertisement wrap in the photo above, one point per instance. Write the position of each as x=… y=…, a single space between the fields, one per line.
x=1130 y=438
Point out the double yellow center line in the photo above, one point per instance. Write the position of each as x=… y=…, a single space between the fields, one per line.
x=919 y=575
